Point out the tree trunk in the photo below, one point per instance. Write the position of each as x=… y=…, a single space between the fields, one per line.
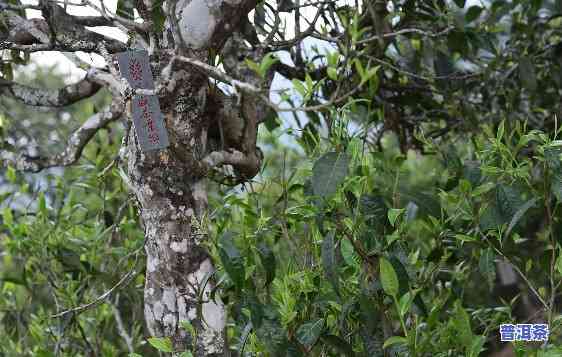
x=170 y=184
x=172 y=195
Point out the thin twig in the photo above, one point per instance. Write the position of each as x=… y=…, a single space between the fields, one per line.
x=100 y=299
x=121 y=326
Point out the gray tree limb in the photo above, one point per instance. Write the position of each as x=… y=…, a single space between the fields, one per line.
x=50 y=97
x=58 y=31
x=76 y=143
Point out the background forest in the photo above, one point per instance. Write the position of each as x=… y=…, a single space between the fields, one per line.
x=408 y=204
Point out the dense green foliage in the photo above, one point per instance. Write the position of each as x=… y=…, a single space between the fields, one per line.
x=403 y=243
x=375 y=227
x=67 y=237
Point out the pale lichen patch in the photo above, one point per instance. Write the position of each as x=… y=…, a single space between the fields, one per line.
x=179 y=247
x=152 y=264
x=192 y=314
x=158 y=310
x=170 y=320
x=169 y=299
x=196 y=22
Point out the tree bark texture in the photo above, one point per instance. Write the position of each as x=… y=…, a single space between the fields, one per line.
x=172 y=197
x=207 y=130
x=170 y=187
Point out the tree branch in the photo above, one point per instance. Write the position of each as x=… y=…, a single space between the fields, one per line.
x=23 y=31
x=5 y=6
x=249 y=88
x=50 y=97
x=76 y=143
x=116 y=19
x=291 y=72
x=247 y=165
x=76 y=310
x=121 y=326
x=92 y=21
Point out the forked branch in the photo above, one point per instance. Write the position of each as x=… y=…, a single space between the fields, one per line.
x=76 y=143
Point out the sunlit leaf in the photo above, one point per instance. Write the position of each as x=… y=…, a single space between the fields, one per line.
x=389 y=280
x=328 y=172
x=308 y=333
x=162 y=344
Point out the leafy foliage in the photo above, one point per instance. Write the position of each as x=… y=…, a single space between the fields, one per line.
x=378 y=222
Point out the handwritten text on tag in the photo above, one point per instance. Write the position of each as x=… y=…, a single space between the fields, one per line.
x=149 y=123
x=147 y=118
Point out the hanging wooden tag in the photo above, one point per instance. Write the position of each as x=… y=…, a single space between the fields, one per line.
x=148 y=121
x=134 y=66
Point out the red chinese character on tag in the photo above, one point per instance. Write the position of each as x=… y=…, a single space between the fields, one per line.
x=153 y=138
x=135 y=70
x=143 y=102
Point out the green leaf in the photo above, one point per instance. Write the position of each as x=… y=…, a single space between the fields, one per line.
x=393 y=215
x=471 y=172
x=389 y=280
x=491 y=218
x=559 y=262
x=369 y=74
x=328 y=173
x=329 y=260
x=348 y=253
x=556 y=185
x=271 y=122
x=473 y=13
x=125 y=9
x=231 y=259
x=359 y=68
x=252 y=65
x=404 y=283
x=308 y=333
x=461 y=322
x=7 y=216
x=268 y=60
x=11 y=175
x=477 y=346
x=273 y=333
x=401 y=274
x=519 y=214
x=299 y=87
x=310 y=137
x=395 y=340
x=187 y=326
x=553 y=155
x=507 y=200
x=340 y=344
x=486 y=265
x=186 y=354
x=482 y=189
x=405 y=303
x=465 y=238
x=332 y=73
x=134 y=355
x=527 y=74
x=501 y=130
x=162 y=344
x=42 y=206
x=309 y=83
x=253 y=304
x=460 y=3
x=374 y=210
x=158 y=17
